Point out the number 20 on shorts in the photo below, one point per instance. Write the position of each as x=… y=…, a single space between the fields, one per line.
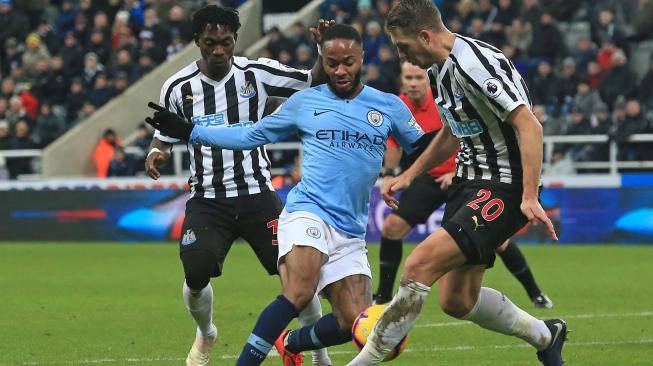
x=491 y=209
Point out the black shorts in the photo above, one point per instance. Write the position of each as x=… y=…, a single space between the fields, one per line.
x=480 y=215
x=419 y=201
x=212 y=224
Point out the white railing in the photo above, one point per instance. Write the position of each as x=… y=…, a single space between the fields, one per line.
x=612 y=165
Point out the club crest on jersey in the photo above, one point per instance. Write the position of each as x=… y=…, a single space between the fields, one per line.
x=375 y=118
x=313 y=232
x=492 y=87
x=188 y=238
x=247 y=91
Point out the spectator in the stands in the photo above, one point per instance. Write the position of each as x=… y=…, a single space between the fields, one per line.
x=40 y=78
x=586 y=99
x=486 y=11
x=277 y=42
x=531 y=12
x=605 y=28
x=8 y=88
x=104 y=152
x=495 y=35
x=5 y=136
x=152 y=24
x=547 y=41
x=378 y=81
x=155 y=51
x=365 y=13
x=74 y=100
x=285 y=57
x=604 y=56
x=506 y=12
x=29 y=101
x=99 y=45
x=476 y=28
x=12 y=22
x=83 y=20
x=48 y=37
x=372 y=42
x=100 y=94
x=4 y=105
x=634 y=122
x=48 y=126
x=125 y=64
x=303 y=57
x=545 y=85
x=584 y=53
x=34 y=52
x=551 y=125
x=92 y=67
x=578 y=123
x=595 y=75
x=561 y=163
x=101 y=23
x=120 y=84
x=620 y=80
x=56 y=83
x=66 y=17
x=145 y=64
x=122 y=165
x=176 y=43
x=569 y=80
x=646 y=88
x=299 y=36
x=143 y=137
x=122 y=36
x=389 y=65
x=519 y=35
x=72 y=55
x=177 y=20
x=87 y=110
x=16 y=112
x=13 y=57
x=20 y=141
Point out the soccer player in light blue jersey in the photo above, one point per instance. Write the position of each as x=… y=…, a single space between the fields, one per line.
x=343 y=127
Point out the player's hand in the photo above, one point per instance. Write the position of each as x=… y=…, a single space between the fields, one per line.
x=532 y=209
x=392 y=185
x=153 y=160
x=317 y=31
x=169 y=123
x=445 y=180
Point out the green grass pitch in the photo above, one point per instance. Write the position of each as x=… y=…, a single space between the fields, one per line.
x=120 y=304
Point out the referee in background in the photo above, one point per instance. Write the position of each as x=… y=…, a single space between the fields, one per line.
x=231 y=195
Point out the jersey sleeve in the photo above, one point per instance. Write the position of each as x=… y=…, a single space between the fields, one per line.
x=405 y=128
x=280 y=80
x=171 y=104
x=491 y=76
x=248 y=135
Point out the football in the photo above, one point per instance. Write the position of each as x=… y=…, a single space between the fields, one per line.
x=364 y=325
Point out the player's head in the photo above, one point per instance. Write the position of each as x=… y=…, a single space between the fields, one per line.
x=414 y=82
x=342 y=58
x=215 y=30
x=413 y=26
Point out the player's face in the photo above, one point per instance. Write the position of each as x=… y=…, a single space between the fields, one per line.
x=217 y=44
x=414 y=82
x=342 y=60
x=412 y=49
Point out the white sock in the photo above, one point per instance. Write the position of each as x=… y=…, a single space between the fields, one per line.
x=200 y=307
x=396 y=321
x=310 y=315
x=494 y=311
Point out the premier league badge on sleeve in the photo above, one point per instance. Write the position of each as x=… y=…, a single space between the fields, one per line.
x=492 y=87
x=375 y=118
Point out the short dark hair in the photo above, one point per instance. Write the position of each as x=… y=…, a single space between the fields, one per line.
x=411 y=16
x=215 y=15
x=343 y=31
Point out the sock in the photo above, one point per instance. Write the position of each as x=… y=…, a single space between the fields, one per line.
x=272 y=321
x=494 y=311
x=307 y=317
x=389 y=260
x=200 y=307
x=516 y=263
x=325 y=332
x=396 y=321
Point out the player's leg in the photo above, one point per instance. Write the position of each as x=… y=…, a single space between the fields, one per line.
x=416 y=204
x=205 y=242
x=300 y=235
x=430 y=260
x=514 y=260
x=346 y=281
x=258 y=224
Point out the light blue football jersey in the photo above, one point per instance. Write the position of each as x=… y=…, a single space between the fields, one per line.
x=344 y=141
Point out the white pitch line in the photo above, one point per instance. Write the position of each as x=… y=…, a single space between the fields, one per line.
x=571 y=316
x=428 y=325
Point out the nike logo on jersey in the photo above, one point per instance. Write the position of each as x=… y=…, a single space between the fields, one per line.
x=316 y=113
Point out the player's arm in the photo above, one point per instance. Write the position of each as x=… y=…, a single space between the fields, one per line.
x=318 y=76
x=391 y=158
x=530 y=148
x=159 y=154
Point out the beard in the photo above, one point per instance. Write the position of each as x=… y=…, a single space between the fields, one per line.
x=344 y=94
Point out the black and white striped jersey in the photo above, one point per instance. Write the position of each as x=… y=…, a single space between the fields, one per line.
x=476 y=89
x=239 y=96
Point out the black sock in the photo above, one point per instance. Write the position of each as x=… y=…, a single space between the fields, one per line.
x=325 y=332
x=389 y=261
x=516 y=263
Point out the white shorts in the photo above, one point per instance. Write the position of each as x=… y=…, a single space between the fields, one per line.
x=347 y=255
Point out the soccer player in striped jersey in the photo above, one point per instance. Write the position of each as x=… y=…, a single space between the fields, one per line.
x=486 y=111
x=427 y=193
x=231 y=195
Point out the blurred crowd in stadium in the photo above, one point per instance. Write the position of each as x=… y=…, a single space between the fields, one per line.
x=587 y=63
